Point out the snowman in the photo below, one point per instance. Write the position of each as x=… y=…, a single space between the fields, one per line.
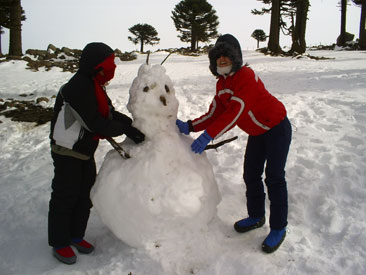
x=163 y=191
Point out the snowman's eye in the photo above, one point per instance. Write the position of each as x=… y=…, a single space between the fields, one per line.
x=167 y=89
x=146 y=89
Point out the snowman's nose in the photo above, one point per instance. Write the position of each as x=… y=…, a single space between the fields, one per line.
x=163 y=100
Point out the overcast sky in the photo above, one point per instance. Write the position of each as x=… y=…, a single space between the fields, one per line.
x=74 y=23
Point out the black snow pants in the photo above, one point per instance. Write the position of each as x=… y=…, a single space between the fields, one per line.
x=70 y=202
x=270 y=148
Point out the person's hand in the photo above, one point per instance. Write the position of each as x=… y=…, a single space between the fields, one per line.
x=135 y=134
x=200 y=143
x=183 y=126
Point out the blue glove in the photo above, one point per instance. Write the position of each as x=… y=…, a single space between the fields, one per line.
x=200 y=143
x=183 y=127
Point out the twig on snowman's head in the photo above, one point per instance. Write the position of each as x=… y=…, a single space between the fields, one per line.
x=165 y=58
x=217 y=145
x=147 y=58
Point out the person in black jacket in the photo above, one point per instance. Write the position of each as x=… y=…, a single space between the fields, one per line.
x=83 y=114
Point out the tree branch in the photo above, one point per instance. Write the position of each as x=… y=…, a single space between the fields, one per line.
x=219 y=144
x=118 y=148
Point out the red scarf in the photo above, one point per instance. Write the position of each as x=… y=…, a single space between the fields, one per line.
x=108 y=67
x=100 y=79
x=102 y=99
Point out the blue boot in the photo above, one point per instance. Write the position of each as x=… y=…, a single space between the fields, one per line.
x=274 y=240
x=248 y=224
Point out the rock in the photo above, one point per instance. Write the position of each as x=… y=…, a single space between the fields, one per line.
x=36 y=52
x=26 y=111
x=51 y=48
x=50 y=56
x=348 y=37
x=67 y=51
x=117 y=52
x=42 y=99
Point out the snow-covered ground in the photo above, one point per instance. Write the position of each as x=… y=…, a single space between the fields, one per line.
x=326 y=175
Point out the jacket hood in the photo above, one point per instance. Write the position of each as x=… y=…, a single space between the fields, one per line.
x=92 y=55
x=226 y=45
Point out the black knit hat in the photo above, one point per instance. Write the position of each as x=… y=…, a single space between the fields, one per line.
x=226 y=45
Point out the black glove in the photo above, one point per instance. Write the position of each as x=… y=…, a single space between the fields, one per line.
x=134 y=134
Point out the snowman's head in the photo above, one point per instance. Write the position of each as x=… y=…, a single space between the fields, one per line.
x=152 y=96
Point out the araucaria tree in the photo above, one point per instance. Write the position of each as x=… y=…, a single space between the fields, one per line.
x=260 y=36
x=299 y=28
x=274 y=33
x=11 y=17
x=296 y=11
x=362 y=35
x=4 y=19
x=274 y=36
x=196 y=20
x=144 y=34
x=341 y=41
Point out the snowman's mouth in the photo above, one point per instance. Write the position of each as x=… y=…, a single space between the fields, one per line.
x=163 y=100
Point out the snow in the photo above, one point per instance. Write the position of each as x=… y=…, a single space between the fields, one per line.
x=326 y=175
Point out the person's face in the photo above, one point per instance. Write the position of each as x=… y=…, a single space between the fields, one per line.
x=223 y=61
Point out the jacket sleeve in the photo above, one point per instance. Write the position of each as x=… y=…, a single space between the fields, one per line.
x=228 y=119
x=122 y=118
x=81 y=97
x=245 y=93
x=214 y=111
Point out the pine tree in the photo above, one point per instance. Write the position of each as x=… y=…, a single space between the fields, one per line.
x=299 y=30
x=4 y=17
x=294 y=10
x=341 y=41
x=144 y=34
x=1 y=32
x=15 y=45
x=11 y=15
x=196 y=20
x=260 y=36
x=362 y=35
x=274 y=33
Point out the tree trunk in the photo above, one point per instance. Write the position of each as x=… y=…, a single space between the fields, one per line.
x=362 y=38
x=193 y=43
x=298 y=41
x=142 y=46
x=274 y=34
x=193 y=38
x=342 y=37
x=1 y=29
x=257 y=43
x=15 y=41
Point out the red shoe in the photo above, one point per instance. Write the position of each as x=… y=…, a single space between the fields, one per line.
x=83 y=246
x=65 y=255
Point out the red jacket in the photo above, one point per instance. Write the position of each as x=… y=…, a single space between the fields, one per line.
x=241 y=99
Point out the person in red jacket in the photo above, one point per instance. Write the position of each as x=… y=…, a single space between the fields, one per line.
x=242 y=100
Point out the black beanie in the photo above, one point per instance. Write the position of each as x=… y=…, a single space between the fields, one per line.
x=226 y=45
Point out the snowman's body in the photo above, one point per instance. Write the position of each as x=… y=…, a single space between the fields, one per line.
x=164 y=187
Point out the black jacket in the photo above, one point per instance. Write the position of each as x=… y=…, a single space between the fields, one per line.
x=76 y=118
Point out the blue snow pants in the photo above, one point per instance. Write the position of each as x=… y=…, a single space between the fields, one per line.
x=268 y=150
